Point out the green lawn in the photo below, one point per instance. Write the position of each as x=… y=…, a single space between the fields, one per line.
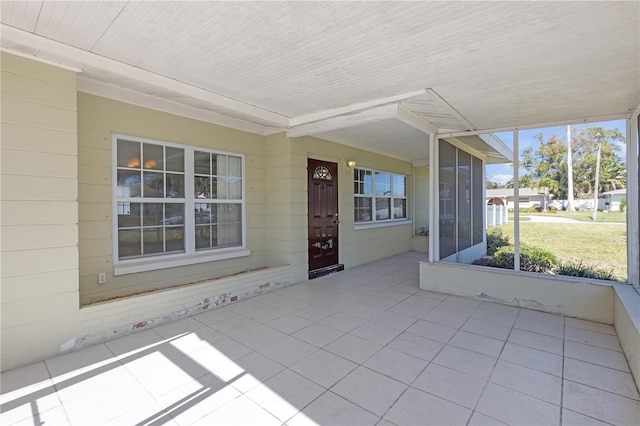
x=595 y=244
x=585 y=216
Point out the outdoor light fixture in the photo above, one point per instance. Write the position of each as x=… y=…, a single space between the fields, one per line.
x=351 y=164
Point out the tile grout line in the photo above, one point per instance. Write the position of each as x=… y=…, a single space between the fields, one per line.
x=488 y=380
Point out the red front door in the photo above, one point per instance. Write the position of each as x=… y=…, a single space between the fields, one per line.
x=323 y=214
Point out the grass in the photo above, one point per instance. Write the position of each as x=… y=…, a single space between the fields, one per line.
x=600 y=245
x=584 y=216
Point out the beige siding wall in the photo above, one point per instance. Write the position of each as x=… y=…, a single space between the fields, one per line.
x=39 y=211
x=98 y=118
x=56 y=216
x=286 y=206
x=421 y=179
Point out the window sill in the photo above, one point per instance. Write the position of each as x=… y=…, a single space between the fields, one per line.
x=371 y=225
x=171 y=261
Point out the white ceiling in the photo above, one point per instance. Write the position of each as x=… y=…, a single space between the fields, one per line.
x=372 y=74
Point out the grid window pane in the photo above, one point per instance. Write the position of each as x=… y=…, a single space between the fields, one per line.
x=129 y=243
x=383 y=207
x=153 y=156
x=399 y=186
x=235 y=167
x=129 y=183
x=129 y=215
x=400 y=208
x=202 y=213
x=383 y=183
x=234 y=234
x=175 y=159
x=128 y=154
x=153 y=184
x=174 y=239
x=362 y=210
x=175 y=185
x=202 y=187
x=235 y=188
x=153 y=214
x=153 y=240
x=173 y=214
x=203 y=237
x=202 y=163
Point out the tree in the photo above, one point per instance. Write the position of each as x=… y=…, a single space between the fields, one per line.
x=613 y=173
x=546 y=167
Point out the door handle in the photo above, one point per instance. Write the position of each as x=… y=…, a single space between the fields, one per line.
x=336 y=221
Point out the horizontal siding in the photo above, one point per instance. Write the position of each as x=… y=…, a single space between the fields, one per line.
x=24 y=287
x=21 y=87
x=37 y=115
x=34 y=139
x=29 y=163
x=31 y=237
x=27 y=262
x=39 y=188
x=39 y=210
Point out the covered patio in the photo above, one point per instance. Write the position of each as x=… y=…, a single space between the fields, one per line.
x=159 y=166
x=359 y=347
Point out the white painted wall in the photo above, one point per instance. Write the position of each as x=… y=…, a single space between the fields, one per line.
x=577 y=298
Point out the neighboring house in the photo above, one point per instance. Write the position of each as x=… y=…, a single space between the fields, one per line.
x=610 y=200
x=527 y=197
x=162 y=159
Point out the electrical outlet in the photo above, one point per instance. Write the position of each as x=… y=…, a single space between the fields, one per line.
x=102 y=277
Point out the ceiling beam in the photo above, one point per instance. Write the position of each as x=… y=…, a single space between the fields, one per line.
x=352 y=108
x=461 y=118
x=49 y=51
x=371 y=115
x=535 y=126
x=416 y=121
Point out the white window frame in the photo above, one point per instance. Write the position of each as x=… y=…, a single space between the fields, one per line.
x=376 y=223
x=190 y=256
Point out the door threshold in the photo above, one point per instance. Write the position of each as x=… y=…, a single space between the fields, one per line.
x=317 y=273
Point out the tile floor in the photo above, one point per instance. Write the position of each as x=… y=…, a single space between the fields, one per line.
x=361 y=347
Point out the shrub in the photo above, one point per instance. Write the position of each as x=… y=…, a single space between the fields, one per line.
x=623 y=205
x=495 y=240
x=532 y=259
x=535 y=209
x=578 y=269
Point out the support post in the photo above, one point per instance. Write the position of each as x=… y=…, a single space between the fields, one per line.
x=434 y=229
x=633 y=199
x=516 y=203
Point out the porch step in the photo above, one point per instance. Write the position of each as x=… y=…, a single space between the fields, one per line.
x=317 y=273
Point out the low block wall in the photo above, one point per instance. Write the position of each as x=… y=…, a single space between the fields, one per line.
x=627 y=325
x=103 y=321
x=577 y=298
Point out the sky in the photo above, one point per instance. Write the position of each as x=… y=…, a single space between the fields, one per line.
x=501 y=173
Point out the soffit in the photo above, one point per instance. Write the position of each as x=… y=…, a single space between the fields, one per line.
x=276 y=64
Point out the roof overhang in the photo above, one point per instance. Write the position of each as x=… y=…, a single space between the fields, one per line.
x=359 y=71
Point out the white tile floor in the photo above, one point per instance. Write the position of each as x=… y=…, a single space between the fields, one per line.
x=361 y=347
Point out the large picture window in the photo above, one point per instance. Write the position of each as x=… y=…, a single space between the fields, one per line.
x=159 y=223
x=379 y=196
